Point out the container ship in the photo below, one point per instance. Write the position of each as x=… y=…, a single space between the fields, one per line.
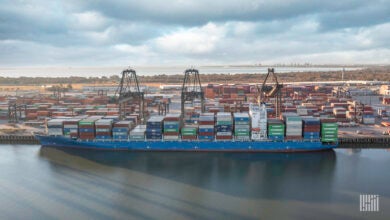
x=248 y=131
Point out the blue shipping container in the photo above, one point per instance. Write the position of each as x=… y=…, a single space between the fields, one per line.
x=276 y=137
x=87 y=130
x=210 y=138
x=201 y=129
x=120 y=129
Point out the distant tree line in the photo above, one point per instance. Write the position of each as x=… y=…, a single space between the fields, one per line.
x=377 y=73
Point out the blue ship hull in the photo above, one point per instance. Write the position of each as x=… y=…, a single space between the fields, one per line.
x=239 y=146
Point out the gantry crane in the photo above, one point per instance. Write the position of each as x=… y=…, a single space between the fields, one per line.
x=129 y=92
x=271 y=91
x=191 y=89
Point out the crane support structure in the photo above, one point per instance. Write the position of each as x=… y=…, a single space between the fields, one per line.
x=273 y=90
x=15 y=112
x=191 y=89
x=129 y=93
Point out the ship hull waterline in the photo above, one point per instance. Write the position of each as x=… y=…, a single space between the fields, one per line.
x=193 y=146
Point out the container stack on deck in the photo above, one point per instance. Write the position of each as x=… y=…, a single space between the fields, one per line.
x=138 y=133
x=276 y=129
x=329 y=130
x=258 y=121
x=224 y=126
x=241 y=126
x=172 y=127
x=311 y=128
x=206 y=127
x=188 y=132
x=120 y=130
x=55 y=127
x=71 y=127
x=293 y=127
x=87 y=128
x=103 y=129
x=154 y=128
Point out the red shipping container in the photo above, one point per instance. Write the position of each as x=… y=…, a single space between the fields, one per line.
x=206 y=133
x=225 y=137
x=189 y=137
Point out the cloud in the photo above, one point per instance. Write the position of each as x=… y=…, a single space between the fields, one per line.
x=200 y=40
x=96 y=32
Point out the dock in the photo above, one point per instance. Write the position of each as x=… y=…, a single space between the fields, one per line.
x=364 y=142
x=18 y=139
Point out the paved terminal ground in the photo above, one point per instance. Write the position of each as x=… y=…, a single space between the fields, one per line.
x=363 y=131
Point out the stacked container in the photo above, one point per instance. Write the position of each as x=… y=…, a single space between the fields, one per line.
x=241 y=126
x=224 y=126
x=293 y=127
x=154 y=128
x=172 y=127
x=276 y=129
x=120 y=130
x=55 y=127
x=87 y=128
x=114 y=118
x=188 y=132
x=103 y=129
x=138 y=133
x=71 y=127
x=311 y=128
x=206 y=127
x=258 y=116
x=329 y=130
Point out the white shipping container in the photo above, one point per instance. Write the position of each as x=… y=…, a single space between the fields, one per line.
x=224 y=133
x=103 y=130
x=171 y=137
x=71 y=126
x=55 y=131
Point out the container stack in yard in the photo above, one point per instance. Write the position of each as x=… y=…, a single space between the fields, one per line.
x=311 y=128
x=172 y=127
x=276 y=129
x=329 y=130
x=154 y=128
x=103 y=129
x=241 y=126
x=224 y=126
x=120 y=130
x=206 y=127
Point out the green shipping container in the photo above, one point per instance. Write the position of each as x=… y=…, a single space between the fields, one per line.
x=171 y=130
x=86 y=123
x=329 y=139
x=276 y=133
x=224 y=122
x=274 y=126
x=329 y=125
x=241 y=133
x=275 y=130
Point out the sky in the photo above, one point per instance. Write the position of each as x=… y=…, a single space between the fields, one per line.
x=193 y=32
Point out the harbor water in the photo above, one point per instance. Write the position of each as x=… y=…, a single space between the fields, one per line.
x=48 y=183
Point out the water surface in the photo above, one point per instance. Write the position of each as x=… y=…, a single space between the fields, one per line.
x=46 y=183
